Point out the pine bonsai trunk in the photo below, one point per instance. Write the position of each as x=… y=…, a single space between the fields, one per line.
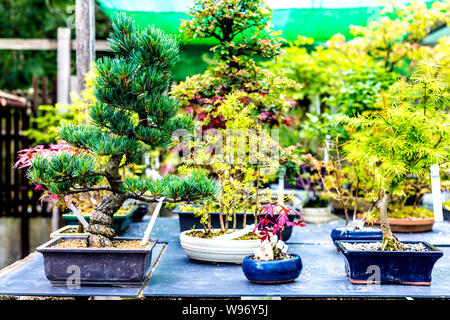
x=100 y=229
x=101 y=232
x=80 y=228
x=390 y=242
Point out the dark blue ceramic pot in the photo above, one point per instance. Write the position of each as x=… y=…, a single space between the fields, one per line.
x=365 y=234
x=404 y=267
x=139 y=212
x=272 y=271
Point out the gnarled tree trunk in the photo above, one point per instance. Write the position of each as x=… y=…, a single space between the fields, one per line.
x=101 y=232
x=100 y=229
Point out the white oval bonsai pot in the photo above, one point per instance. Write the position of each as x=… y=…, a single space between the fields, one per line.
x=316 y=215
x=217 y=250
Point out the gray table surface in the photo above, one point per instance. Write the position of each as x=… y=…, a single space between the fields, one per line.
x=323 y=274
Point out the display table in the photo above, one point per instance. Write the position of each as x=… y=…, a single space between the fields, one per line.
x=173 y=275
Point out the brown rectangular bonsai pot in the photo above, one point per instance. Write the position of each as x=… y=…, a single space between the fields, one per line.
x=95 y=266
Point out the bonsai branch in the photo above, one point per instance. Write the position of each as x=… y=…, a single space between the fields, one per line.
x=81 y=190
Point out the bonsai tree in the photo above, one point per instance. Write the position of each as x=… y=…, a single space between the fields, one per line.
x=131 y=114
x=337 y=178
x=270 y=229
x=242 y=32
x=240 y=156
x=407 y=136
x=235 y=93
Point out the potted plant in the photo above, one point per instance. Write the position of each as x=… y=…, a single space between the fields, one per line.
x=316 y=207
x=190 y=217
x=271 y=263
x=342 y=182
x=407 y=136
x=131 y=114
x=236 y=99
x=240 y=192
x=404 y=211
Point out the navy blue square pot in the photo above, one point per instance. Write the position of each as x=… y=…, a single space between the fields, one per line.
x=272 y=271
x=365 y=234
x=403 y=267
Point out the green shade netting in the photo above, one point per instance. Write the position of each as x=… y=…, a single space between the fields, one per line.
x=434 y=37
x=317 y=19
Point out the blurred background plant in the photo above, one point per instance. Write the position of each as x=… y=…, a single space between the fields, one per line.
x=36 y=19
x=349 y=77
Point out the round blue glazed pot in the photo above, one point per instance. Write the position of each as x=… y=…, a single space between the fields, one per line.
x=365 y=234
x=272 y=271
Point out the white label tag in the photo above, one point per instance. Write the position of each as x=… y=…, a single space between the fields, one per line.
x=282 y=246
x=436 y=191
x=152 y=222
x=79 y=216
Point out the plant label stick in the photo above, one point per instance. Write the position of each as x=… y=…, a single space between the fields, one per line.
x=79 y=216
x=326 y=156
x=436 y=191
x=152 y=222
x=281 y=186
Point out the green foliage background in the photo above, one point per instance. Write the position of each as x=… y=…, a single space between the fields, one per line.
x=36 y=19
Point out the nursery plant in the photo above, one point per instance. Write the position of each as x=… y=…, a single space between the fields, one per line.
x=407 y=136
x=241 y=158
x=407 y=203
x=269 y=229
x=347 y=75
x=301 y=173
x=339 y=181
x=271 y=262
x=243 y=36
x=45 y=125
x=131 y=115
x=235 y=94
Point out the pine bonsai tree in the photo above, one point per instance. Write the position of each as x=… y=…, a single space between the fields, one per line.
x=131 y=114
x=407 y=136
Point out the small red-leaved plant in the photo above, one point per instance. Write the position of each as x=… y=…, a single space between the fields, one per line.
x=275 y=218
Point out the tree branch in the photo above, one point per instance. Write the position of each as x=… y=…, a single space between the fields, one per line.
x=147 y=199
x=91 y=174
x=81 y=190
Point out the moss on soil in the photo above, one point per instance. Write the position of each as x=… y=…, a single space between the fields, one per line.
x=74 y=230
x=203 y=235
x=249 y=236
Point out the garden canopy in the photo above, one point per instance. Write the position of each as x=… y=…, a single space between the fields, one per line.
x=318 y=19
